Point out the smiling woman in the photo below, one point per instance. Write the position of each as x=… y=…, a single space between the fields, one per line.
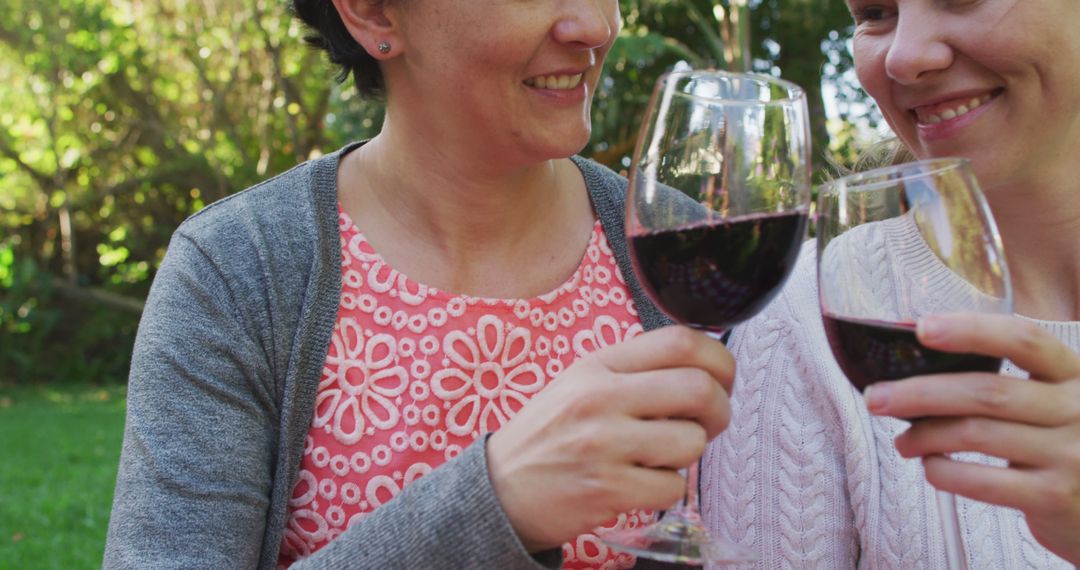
x=1001 y=62
x=996 y=82
x=423 y=350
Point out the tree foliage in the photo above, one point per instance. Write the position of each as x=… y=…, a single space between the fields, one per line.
x=119 y=118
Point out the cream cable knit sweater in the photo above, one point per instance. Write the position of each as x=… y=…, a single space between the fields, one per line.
x=807 y=478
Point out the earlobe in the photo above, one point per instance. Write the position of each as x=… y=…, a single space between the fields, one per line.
x=368 y=24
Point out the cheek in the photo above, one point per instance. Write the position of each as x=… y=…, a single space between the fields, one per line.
x=870 y=67
x=874 y=79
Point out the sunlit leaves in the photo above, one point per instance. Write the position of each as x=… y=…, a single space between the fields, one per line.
x=103 y=96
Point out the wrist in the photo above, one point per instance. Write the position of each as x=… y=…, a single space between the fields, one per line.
x=509 y=497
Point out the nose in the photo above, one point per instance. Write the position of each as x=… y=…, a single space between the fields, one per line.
x=588 y=23
x=919 y=46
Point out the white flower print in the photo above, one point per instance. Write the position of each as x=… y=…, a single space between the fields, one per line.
x=414 y=375
x=360 y=383
x=487 y=376
x=382 y=488
x=604 y=332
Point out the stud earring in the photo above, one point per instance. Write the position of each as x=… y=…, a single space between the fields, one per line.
x=384 y=47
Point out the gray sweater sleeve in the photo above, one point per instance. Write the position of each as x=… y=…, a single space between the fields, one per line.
x=196 y=465
x=202 y=479
x=449 y=518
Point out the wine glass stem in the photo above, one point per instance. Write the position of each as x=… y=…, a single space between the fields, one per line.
x=689 y=507
x=955 y=557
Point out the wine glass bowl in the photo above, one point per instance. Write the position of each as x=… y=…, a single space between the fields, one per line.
x=719 y=194
x=717 y=206
x=896 y=244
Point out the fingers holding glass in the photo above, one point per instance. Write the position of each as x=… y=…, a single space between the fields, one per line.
x=1023 y=342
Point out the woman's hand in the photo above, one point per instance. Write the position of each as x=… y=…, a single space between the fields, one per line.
x=1035 y=425
x=610 y=433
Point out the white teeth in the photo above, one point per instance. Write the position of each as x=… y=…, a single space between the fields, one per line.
x=948 y=114
x=555 y=81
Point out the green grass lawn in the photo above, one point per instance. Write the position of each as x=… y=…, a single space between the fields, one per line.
x=59 y=448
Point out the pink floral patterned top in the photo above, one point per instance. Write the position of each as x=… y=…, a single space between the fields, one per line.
x=414 y=375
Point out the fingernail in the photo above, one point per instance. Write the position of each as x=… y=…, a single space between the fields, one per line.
x=930 y=328
x=877 y=397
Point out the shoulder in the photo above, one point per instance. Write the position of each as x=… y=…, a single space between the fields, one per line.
x=285 y=199
x=284 y=218
x=607 y=192
x=600 y=179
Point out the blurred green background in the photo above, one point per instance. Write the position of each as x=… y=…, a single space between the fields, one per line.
x=120 y=118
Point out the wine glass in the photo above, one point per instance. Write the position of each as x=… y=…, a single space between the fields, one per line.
x=896 y=244
x=717 y=208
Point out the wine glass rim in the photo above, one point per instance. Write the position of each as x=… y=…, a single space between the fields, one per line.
x=885 y=176
x=794 y=92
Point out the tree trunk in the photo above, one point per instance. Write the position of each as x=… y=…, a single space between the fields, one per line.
x=67 y=244
x=735 y=31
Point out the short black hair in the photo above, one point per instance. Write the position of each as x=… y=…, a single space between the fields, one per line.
x=332 y=37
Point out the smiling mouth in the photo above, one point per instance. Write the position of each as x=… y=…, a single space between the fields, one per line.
x=555 y=81
x=941 y=112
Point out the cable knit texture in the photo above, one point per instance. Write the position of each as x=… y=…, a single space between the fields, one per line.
x=808 y=479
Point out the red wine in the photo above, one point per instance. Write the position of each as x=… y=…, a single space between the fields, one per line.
x=871 y=351
x=716 y=274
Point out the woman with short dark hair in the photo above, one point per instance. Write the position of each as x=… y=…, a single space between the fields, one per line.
x=426 y=350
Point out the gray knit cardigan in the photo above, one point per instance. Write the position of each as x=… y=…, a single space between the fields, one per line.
x=222 y=389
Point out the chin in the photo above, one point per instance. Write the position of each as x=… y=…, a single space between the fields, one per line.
x=564 y=147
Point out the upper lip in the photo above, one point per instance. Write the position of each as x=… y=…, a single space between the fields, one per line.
x=952 y=96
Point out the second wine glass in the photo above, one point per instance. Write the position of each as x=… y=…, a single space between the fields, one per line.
x=717 y=208
x=894 y=245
